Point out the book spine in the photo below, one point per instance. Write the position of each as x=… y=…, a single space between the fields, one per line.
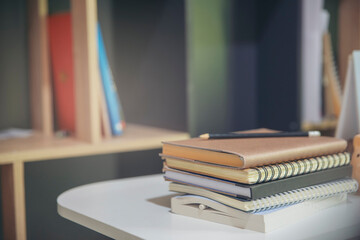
x=284 y=170
x=112 y=100
x=305 y=194
x=61 y=54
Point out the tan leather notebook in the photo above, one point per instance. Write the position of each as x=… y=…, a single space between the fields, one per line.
x=252 y=152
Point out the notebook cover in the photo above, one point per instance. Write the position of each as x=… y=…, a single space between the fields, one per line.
x=254 y=152
x=270 y=188
x=61 y=53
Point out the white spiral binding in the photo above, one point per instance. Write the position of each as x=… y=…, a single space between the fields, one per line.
x=305 y=194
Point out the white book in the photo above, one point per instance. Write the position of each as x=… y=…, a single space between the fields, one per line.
x=204 y=208
x=313 y=24
x=349 y=120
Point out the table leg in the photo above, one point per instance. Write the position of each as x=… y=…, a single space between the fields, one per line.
x=13 y=200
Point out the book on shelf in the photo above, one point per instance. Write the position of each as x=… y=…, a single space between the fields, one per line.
x=348 y=34
x=349 y=120
x=259 y=174
x=332 y=87
x=253 y=152
x=287 y=198
x=104 y=114
x=114 y=109
x=313 y=22
x=266 y=221
x=61 y=55
x=256 y=191
x=61 y=52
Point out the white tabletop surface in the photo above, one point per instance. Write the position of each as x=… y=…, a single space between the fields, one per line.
x=139 y=207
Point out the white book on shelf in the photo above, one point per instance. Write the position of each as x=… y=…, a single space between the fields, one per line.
x=314 y=22
x=349 y=120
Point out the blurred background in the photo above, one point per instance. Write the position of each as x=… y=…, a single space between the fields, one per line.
x=194 y=66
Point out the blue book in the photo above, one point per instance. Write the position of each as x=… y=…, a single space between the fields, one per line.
x=112 y=100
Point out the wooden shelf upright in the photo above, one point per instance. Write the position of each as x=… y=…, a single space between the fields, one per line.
x=87 y=82
x=39 y=68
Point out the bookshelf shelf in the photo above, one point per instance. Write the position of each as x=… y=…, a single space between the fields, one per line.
x=40 y=147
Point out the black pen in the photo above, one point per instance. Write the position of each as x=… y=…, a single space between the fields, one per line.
x=259 y=135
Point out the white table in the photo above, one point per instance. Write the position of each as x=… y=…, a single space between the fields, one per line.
x=139 y=208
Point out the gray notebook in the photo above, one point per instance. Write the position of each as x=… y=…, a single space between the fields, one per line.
x=260 y=190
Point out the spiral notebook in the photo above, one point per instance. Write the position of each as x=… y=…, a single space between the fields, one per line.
x=260 y=190
x=260 y=174
x=319 y=191
x=266 y=221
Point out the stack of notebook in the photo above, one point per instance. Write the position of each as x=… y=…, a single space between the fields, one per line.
x=257 y=183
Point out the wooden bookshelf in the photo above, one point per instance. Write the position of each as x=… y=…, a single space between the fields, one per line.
x=87 y=139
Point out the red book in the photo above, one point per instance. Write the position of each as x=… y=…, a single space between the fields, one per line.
x=61 y=54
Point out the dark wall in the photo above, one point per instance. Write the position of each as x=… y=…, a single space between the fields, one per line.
x=264 y=52
x=278 y=64
x=14 y=87
x=149 y=61
x=243 y=58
